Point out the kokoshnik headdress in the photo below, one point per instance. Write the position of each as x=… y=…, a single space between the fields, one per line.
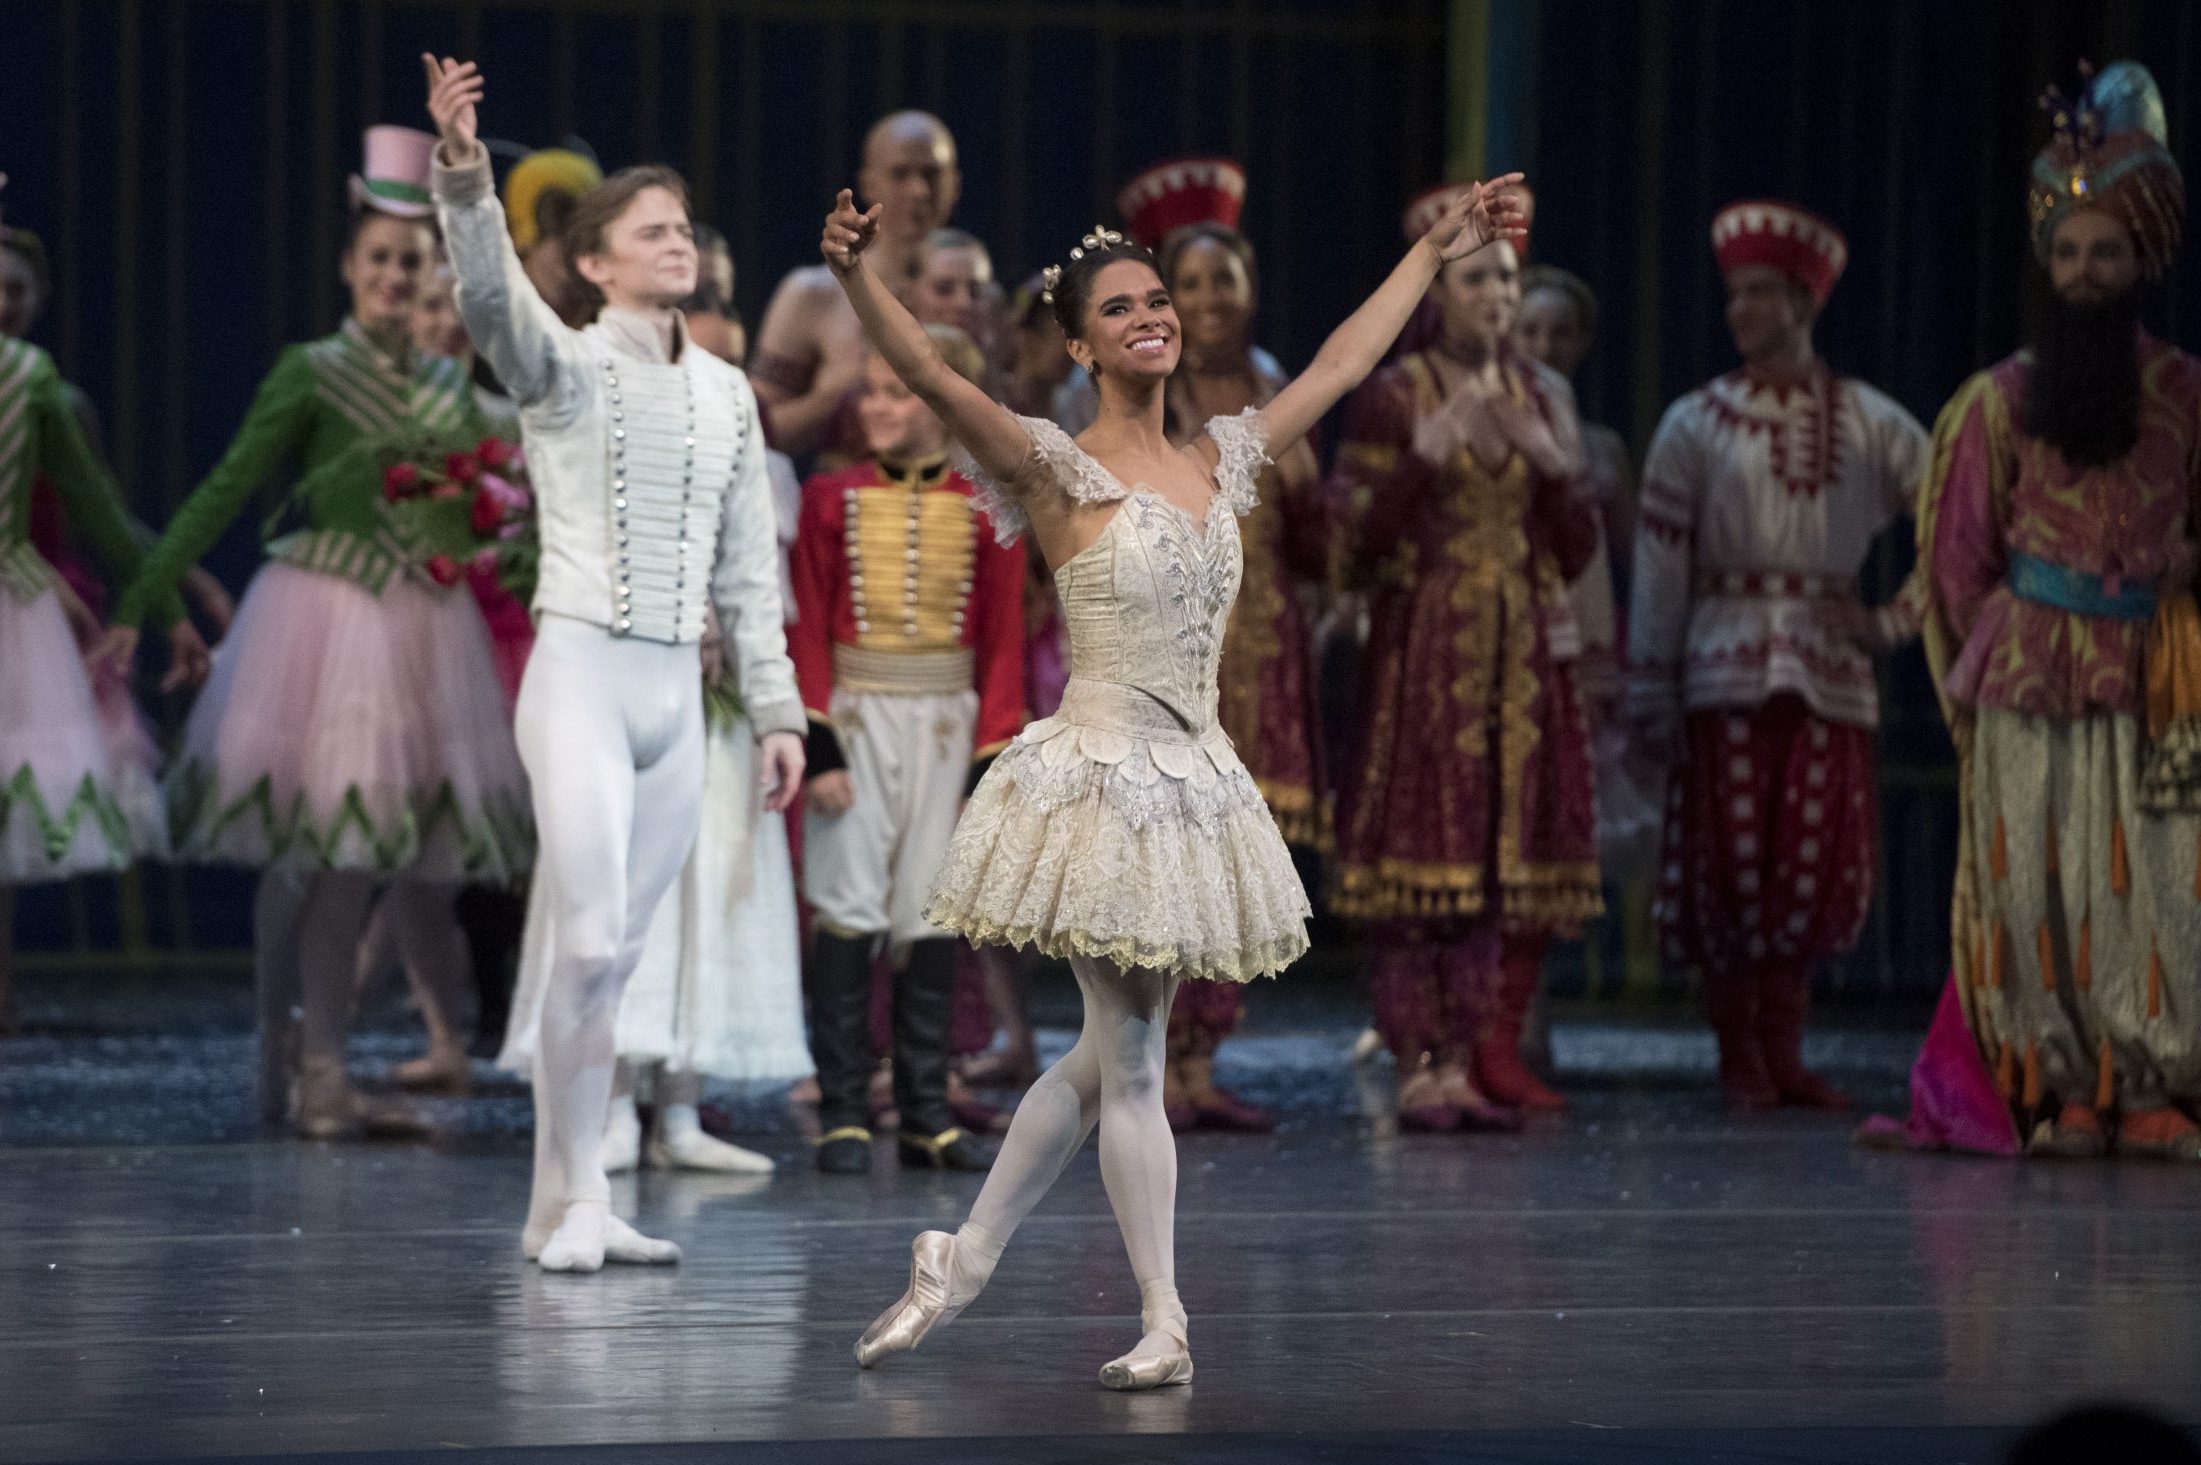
x=2110 y=151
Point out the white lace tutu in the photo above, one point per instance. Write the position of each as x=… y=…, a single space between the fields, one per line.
x=347 y=730
x=1087 y=839
x=719 y=989
x=61 y=810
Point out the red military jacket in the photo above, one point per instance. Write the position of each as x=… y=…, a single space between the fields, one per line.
x=901 y=561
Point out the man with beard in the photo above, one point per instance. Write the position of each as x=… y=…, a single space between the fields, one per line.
x=1750 y=654
x=810 y=352
x=2058 y=515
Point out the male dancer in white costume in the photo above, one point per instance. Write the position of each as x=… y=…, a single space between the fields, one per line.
x=649 y=474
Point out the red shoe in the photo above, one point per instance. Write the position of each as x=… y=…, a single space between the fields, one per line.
x=2161 y=1134
x=1731 y=1004
x=1784 y=999
x=1500 y=1073
x=1230 y=1114
x=2074 y=1134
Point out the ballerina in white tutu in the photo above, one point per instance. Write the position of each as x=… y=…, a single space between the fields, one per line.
x=352 y=735
x=1122 y=833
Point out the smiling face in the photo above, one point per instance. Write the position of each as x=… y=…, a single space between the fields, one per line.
x=1130 y=328
x=954 y=286
x=1480 y=295
x=648 y=260
x=384 y=268
x=897 y=424
x=2091 y=258
x=1214 y=296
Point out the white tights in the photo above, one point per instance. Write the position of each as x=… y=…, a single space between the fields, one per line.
x=1111 y=1077
x=611 y=731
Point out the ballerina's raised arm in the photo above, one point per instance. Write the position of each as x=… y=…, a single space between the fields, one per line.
x=988 y=431
x=1480 y=215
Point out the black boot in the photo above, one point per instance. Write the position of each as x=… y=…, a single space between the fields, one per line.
x=924 y=1008
x=840 y=1044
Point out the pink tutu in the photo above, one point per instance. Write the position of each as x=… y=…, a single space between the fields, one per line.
x=344 y=730
x=134 y=755
x=60 y=813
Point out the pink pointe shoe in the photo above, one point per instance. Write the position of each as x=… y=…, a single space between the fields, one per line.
x=923 y=1307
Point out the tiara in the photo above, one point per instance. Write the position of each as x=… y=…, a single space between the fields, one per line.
x=1101 y=238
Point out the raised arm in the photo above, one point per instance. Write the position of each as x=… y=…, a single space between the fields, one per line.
x=988 y=431
x=511 y=324
x=1482 y=214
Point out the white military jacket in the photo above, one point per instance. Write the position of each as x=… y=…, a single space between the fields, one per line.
x=648 y=464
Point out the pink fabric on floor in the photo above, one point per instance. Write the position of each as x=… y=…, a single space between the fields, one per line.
x=1954 y=1105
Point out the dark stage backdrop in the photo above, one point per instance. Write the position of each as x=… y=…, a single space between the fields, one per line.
x=187 y=161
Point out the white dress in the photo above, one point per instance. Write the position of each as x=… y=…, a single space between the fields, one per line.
x=1125 y=827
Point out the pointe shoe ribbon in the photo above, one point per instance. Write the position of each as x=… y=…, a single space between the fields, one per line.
x=923 y=1307
x=1139 y=1371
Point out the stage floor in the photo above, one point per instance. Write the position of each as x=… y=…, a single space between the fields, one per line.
x=1645 y=1280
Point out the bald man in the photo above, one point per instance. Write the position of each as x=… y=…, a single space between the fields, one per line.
x=810 y=352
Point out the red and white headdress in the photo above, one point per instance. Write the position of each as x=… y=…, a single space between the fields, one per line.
x=1183 y=191
x=1795 y=241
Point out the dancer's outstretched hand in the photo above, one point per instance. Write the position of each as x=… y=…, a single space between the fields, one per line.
x=780 y=761
x=1481 y=213
x=454 y=93
x=847 y=233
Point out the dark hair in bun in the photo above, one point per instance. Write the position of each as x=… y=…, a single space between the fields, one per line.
x=1072 y=290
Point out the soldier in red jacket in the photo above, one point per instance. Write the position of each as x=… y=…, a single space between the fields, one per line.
x=909 y=646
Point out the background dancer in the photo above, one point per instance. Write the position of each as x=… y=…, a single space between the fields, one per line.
x=353 y=734
x=810 y=348
x=1466 y=812
x=611 y=708
x=1750 y=655
x=909 y=641
x=2059 y=517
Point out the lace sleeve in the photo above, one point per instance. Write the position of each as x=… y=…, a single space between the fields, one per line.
x=1054 y=464
x=1242 y=451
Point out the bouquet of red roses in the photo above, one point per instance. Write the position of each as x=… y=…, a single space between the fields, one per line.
x=450 y=508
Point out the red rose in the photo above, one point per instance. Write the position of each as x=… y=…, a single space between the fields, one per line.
x=444 y=570
x=488 y=515
x=494 y=453
x=400 y=480
x=464 y=467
